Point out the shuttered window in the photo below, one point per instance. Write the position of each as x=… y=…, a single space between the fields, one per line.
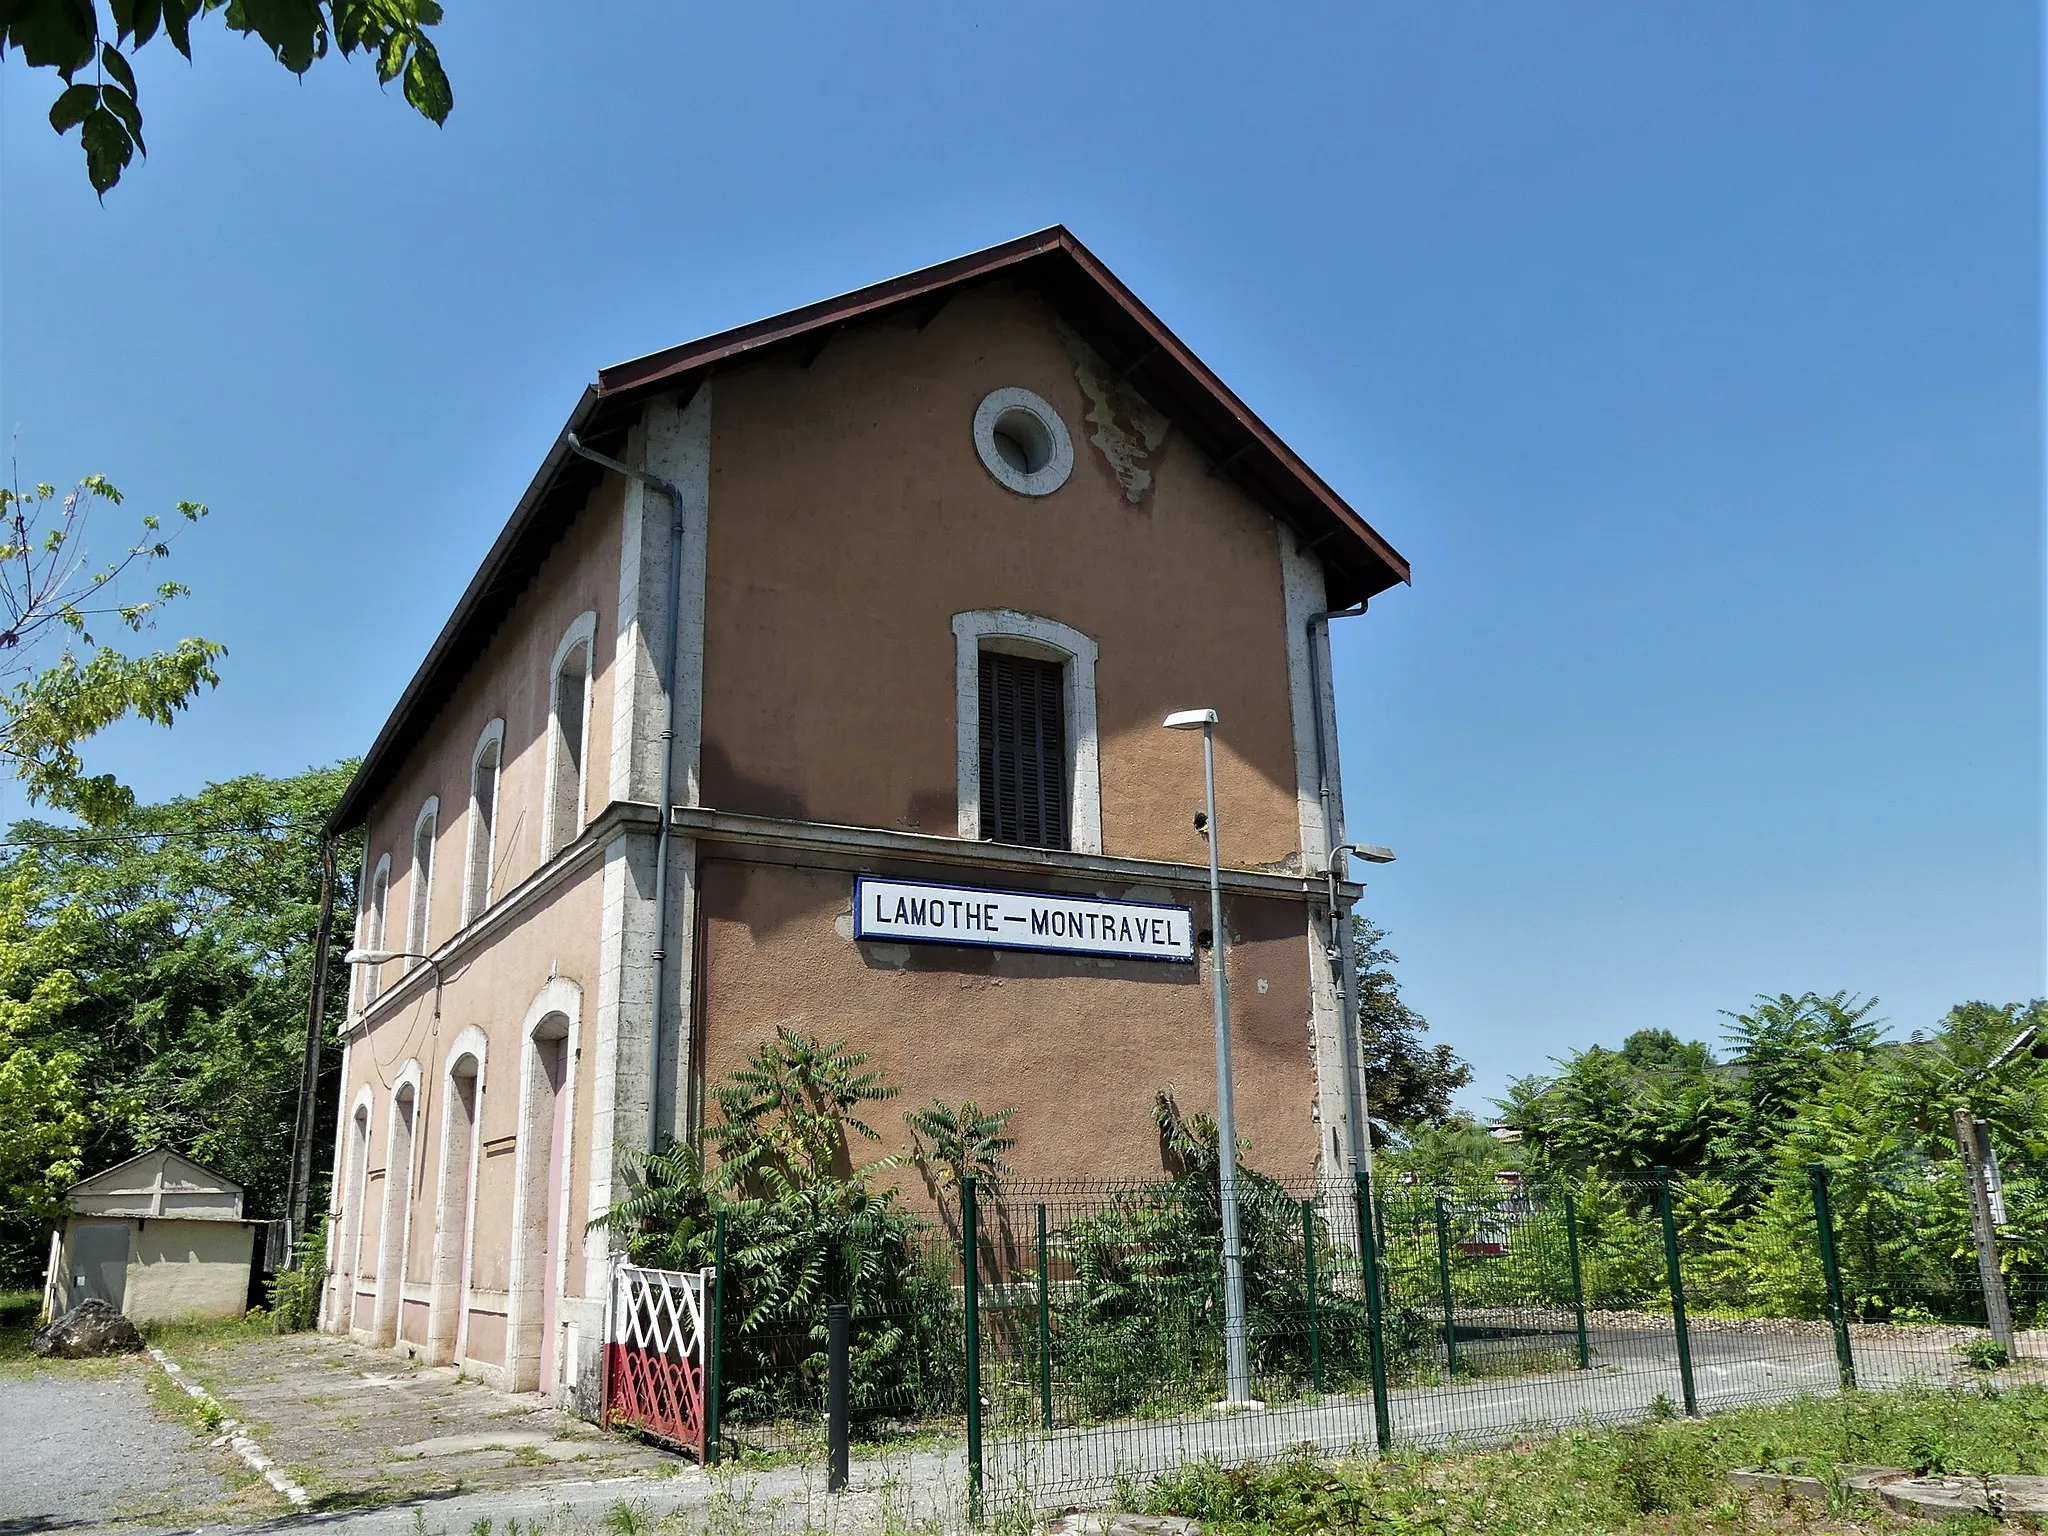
x=1023 y=750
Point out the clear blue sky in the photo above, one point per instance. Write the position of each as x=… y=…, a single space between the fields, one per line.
x=1692 y=354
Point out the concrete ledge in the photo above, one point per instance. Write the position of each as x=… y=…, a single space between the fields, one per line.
x=857 y=847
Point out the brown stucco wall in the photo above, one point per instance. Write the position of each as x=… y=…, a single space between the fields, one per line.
x=492 y=987
x=509 y=682
x=1077 y=1046
x=851 y=519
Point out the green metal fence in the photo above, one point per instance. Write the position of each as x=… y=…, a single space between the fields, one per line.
x=1071 y=1335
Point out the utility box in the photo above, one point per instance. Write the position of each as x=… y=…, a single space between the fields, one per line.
x=160 y=1237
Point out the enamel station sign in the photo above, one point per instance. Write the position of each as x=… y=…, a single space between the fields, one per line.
x=917 y=912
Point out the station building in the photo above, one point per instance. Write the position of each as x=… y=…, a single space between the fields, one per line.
x=841 y=710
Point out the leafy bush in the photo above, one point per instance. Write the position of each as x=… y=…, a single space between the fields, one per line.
x=805 y=1227
x=295 y=1292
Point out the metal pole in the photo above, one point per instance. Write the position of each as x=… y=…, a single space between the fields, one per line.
x=1044 y=1325
x=1236 y=1356
x=1831 y=1269
x=971 y=1281
x=1443 y=1269
x=1356 y=1091
x=1308 y=1276
x=1369 y=1250
x=301 y=1178
x=1997 y=1313
x=714 y=1357
x=1676 y=1275
x=1571 y=1246
x=837 y=1317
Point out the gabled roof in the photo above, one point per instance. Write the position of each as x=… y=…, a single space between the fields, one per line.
x=159 y=1182
x=1358 y=563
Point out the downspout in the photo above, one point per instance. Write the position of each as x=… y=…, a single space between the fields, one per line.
x=666 y=669
x=1357 y=1110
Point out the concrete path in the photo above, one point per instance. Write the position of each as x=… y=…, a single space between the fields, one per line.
x=362 y=1427
x=1735 y=1365
x=390 y=1449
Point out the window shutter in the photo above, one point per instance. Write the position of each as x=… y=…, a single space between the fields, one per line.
x=1023 y=750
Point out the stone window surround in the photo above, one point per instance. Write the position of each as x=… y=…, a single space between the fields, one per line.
x=582 y=631
x=1059 y=463
x=476 y=897
x=419 y=894
x=376 y=921
x=1029 y=634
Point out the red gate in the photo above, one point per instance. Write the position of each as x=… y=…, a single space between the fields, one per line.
x=654 y=1354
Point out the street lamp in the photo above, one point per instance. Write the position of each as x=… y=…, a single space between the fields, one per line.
x=1357 y=1100
x=1237 y=1369
x=381 y=956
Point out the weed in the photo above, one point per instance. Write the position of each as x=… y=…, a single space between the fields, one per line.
x=1661 y=1473
x=622 y=1519
x=1664 y=1478
x=1984 y=1354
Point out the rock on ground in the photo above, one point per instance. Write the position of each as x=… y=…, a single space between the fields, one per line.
x=91 y=1328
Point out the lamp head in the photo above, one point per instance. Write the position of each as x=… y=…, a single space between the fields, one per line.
x=368 y=956
x=1189 y=719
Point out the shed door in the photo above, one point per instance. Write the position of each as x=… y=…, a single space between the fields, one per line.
x=99 y=1261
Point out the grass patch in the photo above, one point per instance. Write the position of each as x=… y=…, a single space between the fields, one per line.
x=178 y=1339
x=20 y=1313
x=1664 y=1477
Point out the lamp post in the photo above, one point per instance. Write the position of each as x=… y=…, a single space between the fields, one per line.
x=382 y=956
x=1237 y=1370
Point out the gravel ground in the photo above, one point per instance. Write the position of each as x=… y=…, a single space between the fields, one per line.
x=80 y=1450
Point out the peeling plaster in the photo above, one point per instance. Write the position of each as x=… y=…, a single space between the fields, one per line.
x=1127 y=429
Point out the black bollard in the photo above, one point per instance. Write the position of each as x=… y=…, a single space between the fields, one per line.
x=836 y=1433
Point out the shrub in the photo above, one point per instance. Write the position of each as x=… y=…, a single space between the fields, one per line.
x=295 y=1292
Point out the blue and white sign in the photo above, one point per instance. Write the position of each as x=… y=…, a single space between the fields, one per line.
x=918 y=912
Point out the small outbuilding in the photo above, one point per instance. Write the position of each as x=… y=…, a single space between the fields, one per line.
x=159 y=1237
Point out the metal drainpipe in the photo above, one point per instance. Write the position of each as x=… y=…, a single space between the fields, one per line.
x=667 y=670
x=1358 y=1111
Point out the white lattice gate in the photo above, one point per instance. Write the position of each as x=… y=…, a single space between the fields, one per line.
x=655 y=1352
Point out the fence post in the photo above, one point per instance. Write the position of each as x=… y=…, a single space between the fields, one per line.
x=970 y=1237
x=1308 y=1275
x=837 y=1320
x=1831 y=1267
x=1997 y=1309
x=1044 y=1324
x=714 y=1356
x=1571 y=1246
x=1443 y=1270
x=1675 y=1272
x=1369 y=1251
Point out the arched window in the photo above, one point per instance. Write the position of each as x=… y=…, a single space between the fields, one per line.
x=375 y=910
x=348 y=1260
x=483 y=820
x=569 y=734
x=1025 y=713
x=421 y=891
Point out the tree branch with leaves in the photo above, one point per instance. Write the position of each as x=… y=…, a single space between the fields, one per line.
x=90 y=46
x=53 y=594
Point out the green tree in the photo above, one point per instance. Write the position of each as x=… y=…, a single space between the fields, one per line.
x=44 y=1103
x=158 y=967
x=55 y=597
x=1407 y=1081
x=1610 y=1111
x=89 y=45
x=1787 y=1048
